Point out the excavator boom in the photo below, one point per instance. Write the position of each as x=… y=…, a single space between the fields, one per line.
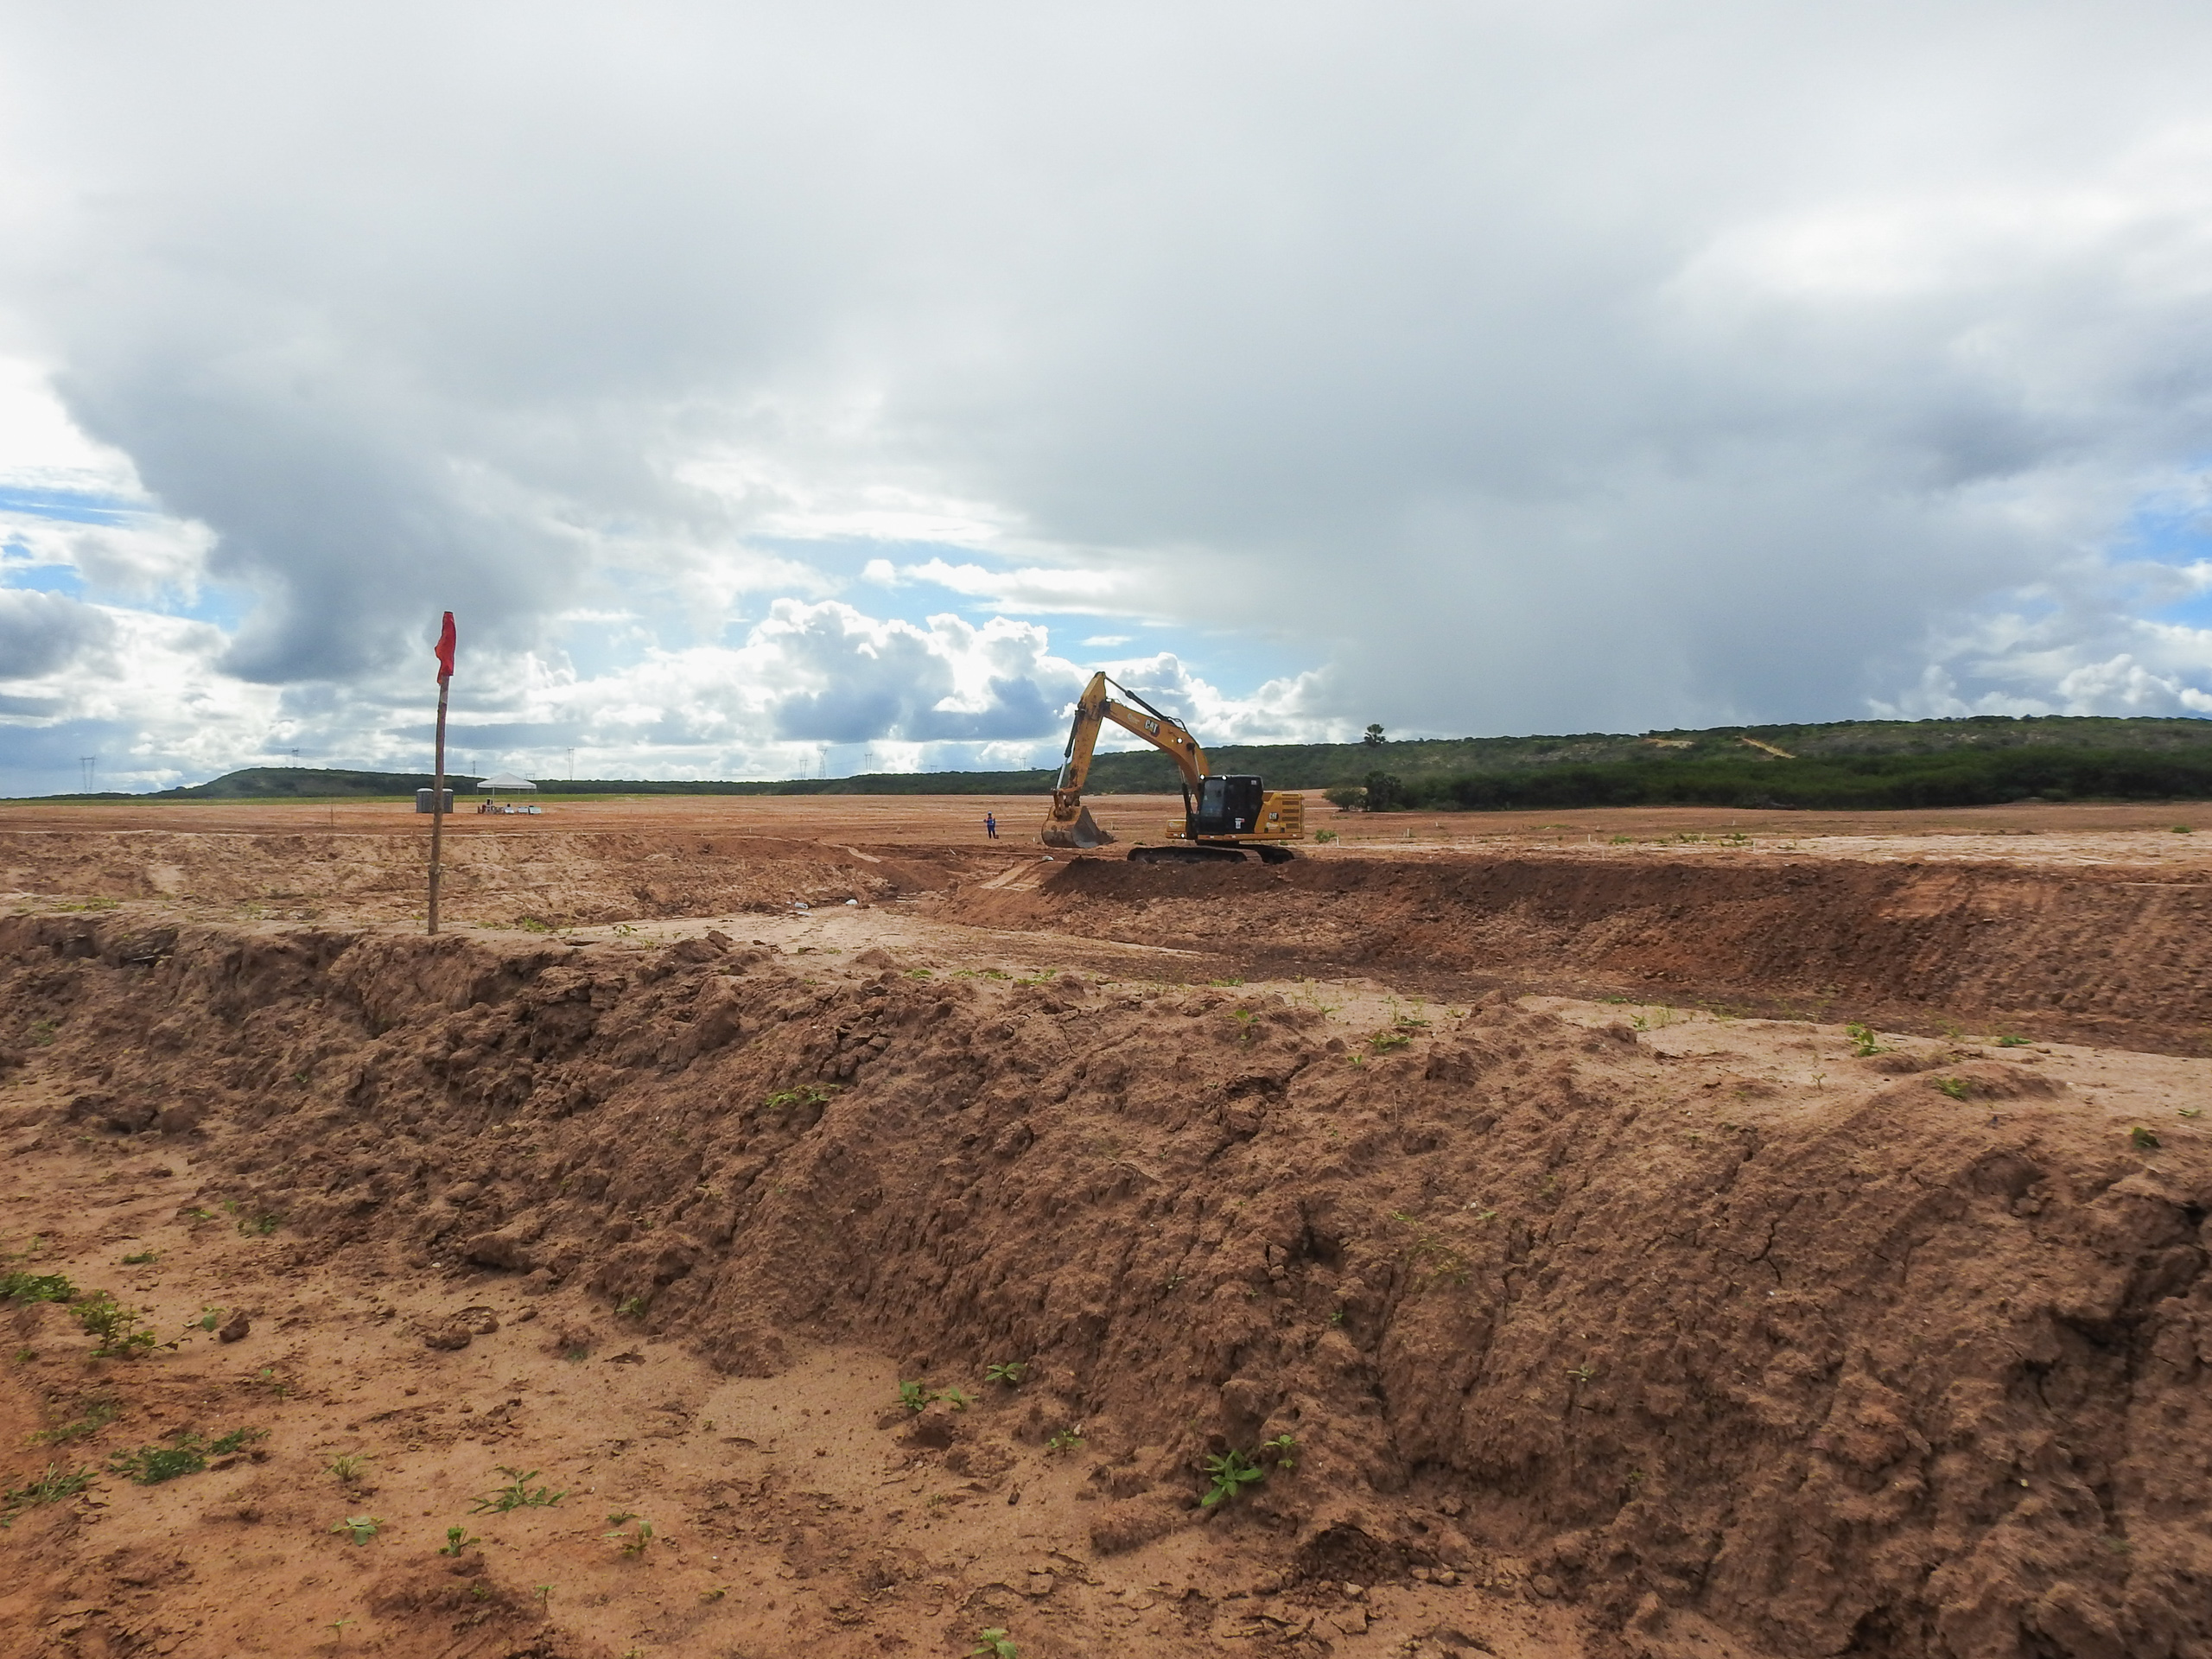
x=1069 y=823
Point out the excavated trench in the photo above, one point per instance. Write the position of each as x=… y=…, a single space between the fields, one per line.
x=1902 y=1356
x=2120 y=957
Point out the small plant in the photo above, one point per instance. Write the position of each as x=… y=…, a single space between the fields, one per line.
x=1864 y=1040
x=51 y=1487
x=259 y=1225
x=1066 y=1440
x=1008 y=1375
x=359 y=1527
x=920 y=1397
x=2146 y=1138
x=2183 y=830
x=19 y=1287
x=2190 y=1111
x=2012 y=1039
x=1230 y=1472
x=349 y=1468
x=1955 y=1087
x=993 y=1645
x=813 y=1094
x=1244 y=1017
x=1383 y=1041
x=42 y=1032
x=1581 y=1373
x=1325 y=836
x=144 y=1258
x=632 y=1307
x=1282 y=1446
x=632 y=1540
x=337 y=1629
x=99 y=1412
x=208 y=1319
x=116 y=1326
x=457 y=1539
x=517 y=1494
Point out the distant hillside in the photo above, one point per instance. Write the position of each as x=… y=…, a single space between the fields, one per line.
x=1842 y=763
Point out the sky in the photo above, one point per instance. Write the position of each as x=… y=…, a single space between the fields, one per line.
x=776 y=391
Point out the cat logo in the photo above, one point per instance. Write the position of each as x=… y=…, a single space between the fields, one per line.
x=1152 y=727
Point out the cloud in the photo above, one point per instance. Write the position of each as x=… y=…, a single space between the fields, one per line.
x=44 y=633
x=1472 y=369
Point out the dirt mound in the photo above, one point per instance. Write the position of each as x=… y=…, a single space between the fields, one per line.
x=2105 y=955
x=1906 y=1364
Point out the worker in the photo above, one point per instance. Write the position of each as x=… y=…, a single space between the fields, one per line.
x=991 y=825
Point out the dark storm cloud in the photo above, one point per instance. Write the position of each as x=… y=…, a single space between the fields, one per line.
x=42 y=634
x=1607 y=364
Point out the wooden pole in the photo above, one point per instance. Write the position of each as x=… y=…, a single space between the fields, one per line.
x=438 y=804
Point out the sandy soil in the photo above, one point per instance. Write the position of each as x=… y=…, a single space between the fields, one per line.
x=1601 y=1322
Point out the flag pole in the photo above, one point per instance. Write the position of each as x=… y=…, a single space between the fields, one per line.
x=438 y=782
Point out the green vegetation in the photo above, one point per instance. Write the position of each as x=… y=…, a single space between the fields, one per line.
x=95 y=1414
x=1955 y=1087
x=51 y=1487
x=359 y=1527
x=632 y=1540
x=457 y=1539
x=993 y=1645
x=1986 y=758
x=1230 y=1472
x=1010 y=1373
x=517 y=1494
x=1864 y=1040
x=18 y=1286
x=349 y=1468
x=116 y=1326
x=2146 y=1138
x=185 y=1455
x=918 y=1397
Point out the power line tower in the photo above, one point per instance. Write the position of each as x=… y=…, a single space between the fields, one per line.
x=89 y=763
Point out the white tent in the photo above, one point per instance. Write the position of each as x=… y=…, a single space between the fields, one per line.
x=505 y=780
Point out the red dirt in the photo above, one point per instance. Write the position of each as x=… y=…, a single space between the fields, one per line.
x=1668 y=1335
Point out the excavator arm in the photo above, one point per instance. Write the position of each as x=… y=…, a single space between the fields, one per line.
x=1069 y=823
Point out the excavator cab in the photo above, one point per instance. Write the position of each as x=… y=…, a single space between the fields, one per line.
x=1225 y=806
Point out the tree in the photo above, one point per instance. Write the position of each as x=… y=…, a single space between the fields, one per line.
x=1375 y=740
x=1385 y=793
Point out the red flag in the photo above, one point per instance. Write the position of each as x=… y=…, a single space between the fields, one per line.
x=445 y=649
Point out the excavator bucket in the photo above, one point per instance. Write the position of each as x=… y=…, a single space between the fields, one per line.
x=1080 y=836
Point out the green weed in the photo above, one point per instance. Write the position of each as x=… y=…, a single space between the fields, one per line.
x=813 y=1094
x=517 y=1494
x=994 y=1643
x=260 y=1224
x=457 y=1539
x=42 y=1032
x=185 y=1455
x=349 y=1468
x=99 y=1412
x=359 y=1527
x=1230 y=1473
x=918 y=1396
x=2010 y=1040
x=634 y=1539
x=19 y=1287
x=1066 y=1440
x=144 y=1258
x=1383 y=1041
x=1282 y=1446
x=2146 y=1138
x=208 y=1319
x=1325 y=836
x=1955 y=1087
x=51 y=1487
x=2189 y=1112
x=116 y=1326
x=1429 y=1260
x=632 y=1307
x=1008 y=1375
x=1864 y=1040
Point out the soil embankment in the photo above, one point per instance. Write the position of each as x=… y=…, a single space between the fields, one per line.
x=2117 y=956
x=1713 y=1333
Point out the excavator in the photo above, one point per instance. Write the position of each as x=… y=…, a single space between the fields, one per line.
x=1222 y=816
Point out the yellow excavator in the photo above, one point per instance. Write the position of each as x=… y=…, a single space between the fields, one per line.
x=1222 y=816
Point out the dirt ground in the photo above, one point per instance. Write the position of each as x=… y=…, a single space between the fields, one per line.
x=1674 y=1235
